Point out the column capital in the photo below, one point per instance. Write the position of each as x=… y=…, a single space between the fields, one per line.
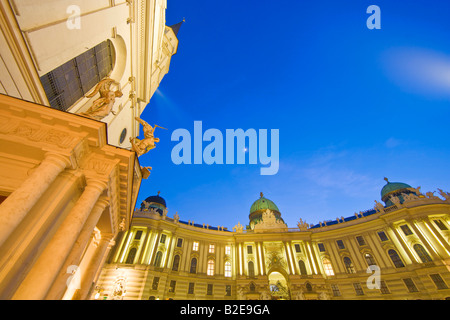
x=58 y=159
x=96 y=183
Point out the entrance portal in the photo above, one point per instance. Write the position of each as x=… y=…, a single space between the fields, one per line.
x=278 y=285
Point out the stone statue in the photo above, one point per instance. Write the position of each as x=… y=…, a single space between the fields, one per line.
x=378 y=206
x=430 y=195
x=103 y=105
x=239 y=228
x=148 y=143
x=176 y=217
x=145 y=172
x=302 y=225
x=445 y=195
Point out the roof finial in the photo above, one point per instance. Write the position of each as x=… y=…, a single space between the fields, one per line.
x=386 y=179
x=159 y=192
x=261 y=194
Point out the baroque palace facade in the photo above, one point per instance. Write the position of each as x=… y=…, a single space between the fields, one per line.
x=397 y=250
x=75 y=77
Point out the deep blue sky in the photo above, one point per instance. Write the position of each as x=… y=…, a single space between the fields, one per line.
x=353 y=105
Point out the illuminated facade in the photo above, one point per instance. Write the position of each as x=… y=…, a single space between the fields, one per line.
x=75 y=77
x=405 y=241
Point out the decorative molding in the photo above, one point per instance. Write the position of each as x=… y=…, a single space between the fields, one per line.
x=38 y=133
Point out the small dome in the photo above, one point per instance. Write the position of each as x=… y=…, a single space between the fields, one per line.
x=263 y=204
x=156 y=202
x=156 y=199
x=259 y=207
x=392 y=187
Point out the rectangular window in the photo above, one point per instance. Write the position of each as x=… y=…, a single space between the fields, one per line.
x=228 y=290
x=382 y=235
x=138 y=235
x=358 y=289
x=155 y=283
x=438 y=281
x=441 y=225
x=195 y=246
x=228 y=250
x=297 y=248
x=191 y=288
x=383 y=288
x=211 y=248
x=179 y=243
x=163 y=238
x=340 y=244
x=227 y=269
x=409 y=283
x=249 y=249
x=406 y=230
x=210 y=270
x=209 y=291
x=335 y=289
x=172 y=286
x=321 y=247
x=361 y=241
x=66 y=84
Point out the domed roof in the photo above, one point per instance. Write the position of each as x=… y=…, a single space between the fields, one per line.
x=156 y=199
x=263 y=204
x=391 y=187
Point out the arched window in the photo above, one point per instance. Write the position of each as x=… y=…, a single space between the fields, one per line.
x=302 y=267
x=176 y=262
x=398 y=263
x=308 y=287
x=369 y=259
x=422 y=253
x=210 y=271
x=158 y=259
x=328 y=267
x=349 y=265
x=251 y=269
x=228 y=269
x=252 y=287
x=131 y=255
x=75 y=78
x=193 y=265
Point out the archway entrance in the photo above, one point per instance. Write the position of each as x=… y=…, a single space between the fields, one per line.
x=279 y=288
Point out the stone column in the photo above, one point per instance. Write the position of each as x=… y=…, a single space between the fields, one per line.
x=14 y=209
x=404 y=245
x=60 y=285
x=94 y=265
x=39 y=280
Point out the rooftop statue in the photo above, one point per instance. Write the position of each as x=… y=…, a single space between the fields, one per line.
x=103 y=106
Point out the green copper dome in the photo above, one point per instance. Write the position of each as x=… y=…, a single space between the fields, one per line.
x=263 y=204
x=391 y=187
x=259 y=207
x=396 y=189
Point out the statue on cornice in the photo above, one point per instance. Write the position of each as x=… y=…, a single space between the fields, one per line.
x=239 y=228
x=378 y=206
x=445 y=195
x=302 y=225
x=148 y=143
x=103 y=106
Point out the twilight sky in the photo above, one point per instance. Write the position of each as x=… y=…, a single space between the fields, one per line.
x=352 y=105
